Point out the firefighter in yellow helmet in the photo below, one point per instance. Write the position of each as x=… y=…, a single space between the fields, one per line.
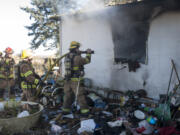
x=7 y=81
x=74 y=72
x=28 y=77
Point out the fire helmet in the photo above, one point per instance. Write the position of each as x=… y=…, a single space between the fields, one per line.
x=74 y=44
x=9 y=50
x=26 y=54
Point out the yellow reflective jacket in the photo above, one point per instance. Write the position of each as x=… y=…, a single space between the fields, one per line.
x=7 y=68
x=27 y=75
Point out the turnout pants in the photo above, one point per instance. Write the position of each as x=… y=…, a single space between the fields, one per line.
x=29 y=91
x=7 y=85
x=28 y=95
x=70 y=88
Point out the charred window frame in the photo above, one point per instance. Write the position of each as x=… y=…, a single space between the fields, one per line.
x=130 y=42
x=130 y=30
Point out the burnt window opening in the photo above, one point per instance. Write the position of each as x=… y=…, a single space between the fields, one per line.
x=130 y=42
x=130 y=28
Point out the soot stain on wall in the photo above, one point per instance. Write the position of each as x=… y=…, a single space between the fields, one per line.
x=130 y=27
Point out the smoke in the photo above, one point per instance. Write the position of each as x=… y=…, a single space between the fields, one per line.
x=94 y=5
x=94 y=27
x=73 y=6
x=145 y=77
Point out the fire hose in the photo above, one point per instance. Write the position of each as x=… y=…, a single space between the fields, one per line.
x=51 y=67
x=46 y=76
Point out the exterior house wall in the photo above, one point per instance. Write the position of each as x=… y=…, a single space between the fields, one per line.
x=163 y=45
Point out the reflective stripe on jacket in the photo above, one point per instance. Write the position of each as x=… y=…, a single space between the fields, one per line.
x=76 y=79
x=27 y=74
x=7 y=68
x=25 y=85
x=78 y=67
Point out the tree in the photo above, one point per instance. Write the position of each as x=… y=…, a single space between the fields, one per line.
x=46 y=20
x=45 y=31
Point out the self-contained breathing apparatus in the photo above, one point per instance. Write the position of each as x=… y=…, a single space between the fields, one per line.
x=69 y=72
x=7 y=67
x=68 y=65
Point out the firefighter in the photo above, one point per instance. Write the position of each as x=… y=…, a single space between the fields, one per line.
x=7 y=81
x=1 y=55
x=1 y=88
x=28 y=77
x=74 y=72
x=1 y=59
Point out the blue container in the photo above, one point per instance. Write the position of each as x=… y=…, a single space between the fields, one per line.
x=99 y=104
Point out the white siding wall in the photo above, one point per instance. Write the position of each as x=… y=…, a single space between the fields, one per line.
x=163 y=45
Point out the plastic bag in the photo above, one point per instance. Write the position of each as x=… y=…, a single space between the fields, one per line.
x=56 y=129
x=23 y=114
x=163 y=112
x=147 y=127
x=117 y=123
x=87 y=125
x=1 y=107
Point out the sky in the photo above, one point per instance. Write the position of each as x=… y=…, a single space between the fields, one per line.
x=12 y=31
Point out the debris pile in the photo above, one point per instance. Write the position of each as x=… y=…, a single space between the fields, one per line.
x=17 y=110
x=112 y=113
x=128 y=113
